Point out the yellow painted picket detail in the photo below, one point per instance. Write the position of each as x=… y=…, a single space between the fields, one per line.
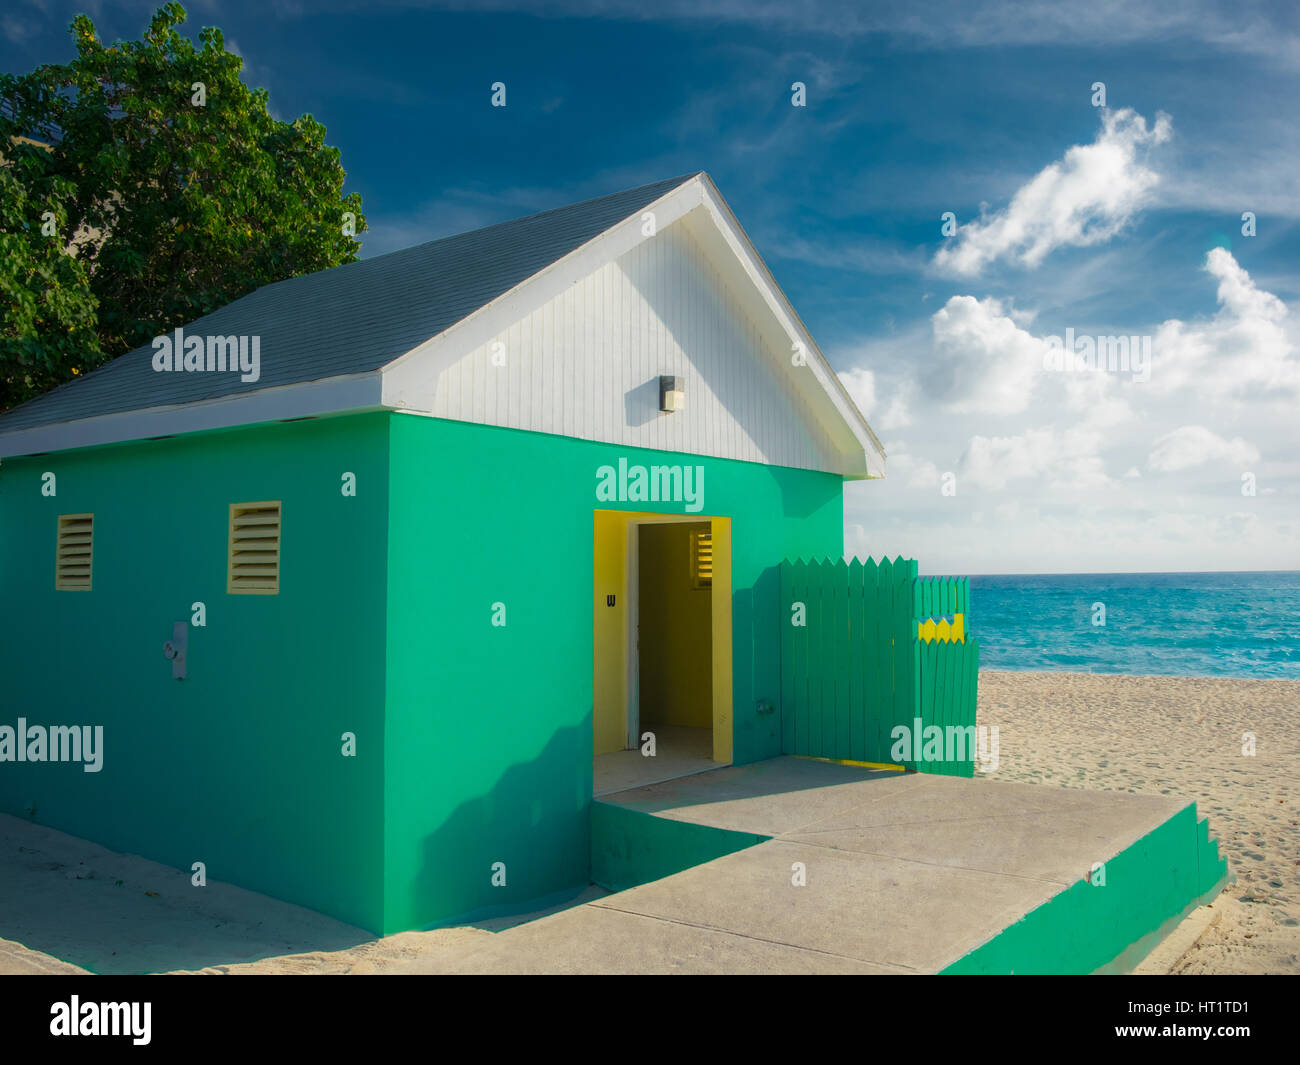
x=943 y=631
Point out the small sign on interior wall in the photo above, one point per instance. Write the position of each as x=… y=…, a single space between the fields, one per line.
x=609 y=600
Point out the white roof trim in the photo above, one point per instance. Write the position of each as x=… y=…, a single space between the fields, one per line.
x=333 y=395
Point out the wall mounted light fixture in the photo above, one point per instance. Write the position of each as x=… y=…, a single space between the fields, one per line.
x=672 y=393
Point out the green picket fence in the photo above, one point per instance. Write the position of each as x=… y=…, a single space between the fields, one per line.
x=944 y=703
x=853 y=668
x=934 y=597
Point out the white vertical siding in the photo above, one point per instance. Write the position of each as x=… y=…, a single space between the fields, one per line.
x=587 y=364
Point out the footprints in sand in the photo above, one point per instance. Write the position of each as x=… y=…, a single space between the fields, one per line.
x=1179 y=737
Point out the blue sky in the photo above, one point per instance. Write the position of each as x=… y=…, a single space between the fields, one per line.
x=1100 y=220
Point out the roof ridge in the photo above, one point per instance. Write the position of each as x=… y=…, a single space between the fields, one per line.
x=670 y=183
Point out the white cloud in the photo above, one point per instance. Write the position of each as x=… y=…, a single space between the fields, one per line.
x=1245 y=349
x=863 y=256
x=1066 y=461
x=1228 y=174
x=938 y=25
x=1085 y=198
x=1095 y=396
x=983 y=362
x=990 y=462
x=916 y=473
x=861 y=386
x=895 y=416
x=1026 y=538
x=1194 y=445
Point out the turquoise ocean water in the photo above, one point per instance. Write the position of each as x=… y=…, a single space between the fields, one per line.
x=1185 y=624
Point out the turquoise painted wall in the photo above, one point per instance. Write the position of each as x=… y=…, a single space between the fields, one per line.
x=489 y=728
x=474 y=740
x=239 y=765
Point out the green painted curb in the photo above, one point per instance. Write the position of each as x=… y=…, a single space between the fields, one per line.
x=1149 y=887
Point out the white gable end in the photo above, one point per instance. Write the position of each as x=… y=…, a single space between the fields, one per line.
x=586 y=364
x=576 y=348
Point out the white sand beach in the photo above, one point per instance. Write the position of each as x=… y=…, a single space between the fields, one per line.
x=67 y=905
x=1178 y=736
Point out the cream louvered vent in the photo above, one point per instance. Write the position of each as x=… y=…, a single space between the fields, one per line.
x=254 y=548
x=702 y=559
x=75 y=551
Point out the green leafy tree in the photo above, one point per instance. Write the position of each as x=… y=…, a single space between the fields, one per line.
x=175 y=191
x=48 y=329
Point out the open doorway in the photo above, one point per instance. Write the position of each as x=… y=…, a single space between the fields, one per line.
x=674 y=639
x=662 y=647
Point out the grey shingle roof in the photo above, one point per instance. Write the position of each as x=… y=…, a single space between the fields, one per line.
x=350 y=319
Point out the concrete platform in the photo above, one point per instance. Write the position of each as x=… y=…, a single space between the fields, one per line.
x=679 y=752
x=903 y=874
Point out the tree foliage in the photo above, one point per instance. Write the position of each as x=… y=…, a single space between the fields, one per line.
x=174 y=189
x=48 y=331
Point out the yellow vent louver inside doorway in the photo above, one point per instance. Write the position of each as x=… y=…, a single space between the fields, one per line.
x=702 y=559
x=75 y=551
x=254 y=567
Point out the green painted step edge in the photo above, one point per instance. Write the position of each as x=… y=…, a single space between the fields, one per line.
x=630 y=848
x=1150 y=886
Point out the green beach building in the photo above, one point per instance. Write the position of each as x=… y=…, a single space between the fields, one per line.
x=360 y=573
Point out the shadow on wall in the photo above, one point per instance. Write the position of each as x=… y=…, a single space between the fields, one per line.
x=532 y=829
x=798 y=500
x=641 y=404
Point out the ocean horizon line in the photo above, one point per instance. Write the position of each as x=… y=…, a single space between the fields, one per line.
x=1117 y=573
x=1151 y=676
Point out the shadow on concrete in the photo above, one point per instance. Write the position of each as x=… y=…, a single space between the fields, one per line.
x=118 y=913
x=775 y=777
